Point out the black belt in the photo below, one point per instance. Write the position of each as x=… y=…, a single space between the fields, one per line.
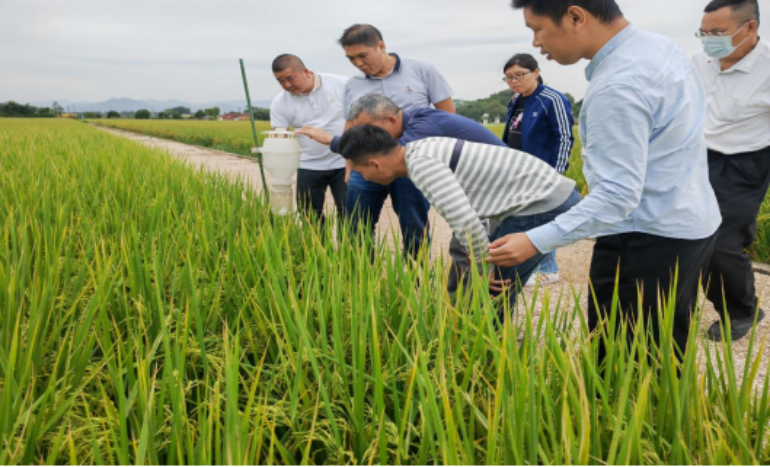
x=456 y=155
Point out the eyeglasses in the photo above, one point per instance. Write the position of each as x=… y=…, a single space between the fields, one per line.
x=516 y=77
x=700 y=34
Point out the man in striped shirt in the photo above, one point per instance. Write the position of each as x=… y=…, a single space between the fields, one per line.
x=467 y=182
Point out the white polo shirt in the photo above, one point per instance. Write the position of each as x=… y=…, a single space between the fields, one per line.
x=738 y=104
x=321 y=108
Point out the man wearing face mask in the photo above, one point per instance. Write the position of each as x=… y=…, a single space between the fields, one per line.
x=735 y=66
x=310 y=98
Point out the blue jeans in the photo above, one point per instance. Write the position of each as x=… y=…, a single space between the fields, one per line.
x=365 y=200
x=519 y=274
x=548 y=265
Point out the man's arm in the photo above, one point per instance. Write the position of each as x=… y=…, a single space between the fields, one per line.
x=439 y=91
x=619 y=125
x=440 y=186
x=447 y=105
x=278 y=117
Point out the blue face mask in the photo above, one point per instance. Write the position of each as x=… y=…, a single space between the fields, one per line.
x=722 y=46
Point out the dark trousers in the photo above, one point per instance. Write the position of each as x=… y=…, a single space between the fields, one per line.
x=740 y=182
x=365 y=201
x=644 y=266
x=519 y=275
x=311 y=190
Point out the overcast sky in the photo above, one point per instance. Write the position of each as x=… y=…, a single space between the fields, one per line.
x=92 y=50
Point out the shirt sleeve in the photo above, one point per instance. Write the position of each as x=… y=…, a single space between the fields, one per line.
x=618 y=126
x=440 y=186
x=420 y=128
x=438 y=87
x=561 y=123
x=347 y=100
x=278 y=116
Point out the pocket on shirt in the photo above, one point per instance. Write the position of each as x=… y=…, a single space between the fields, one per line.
x=733 y=110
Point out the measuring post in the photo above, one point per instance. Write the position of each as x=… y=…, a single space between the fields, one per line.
x=254 y=132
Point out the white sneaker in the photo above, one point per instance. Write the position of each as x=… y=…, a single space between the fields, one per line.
x=543 y=279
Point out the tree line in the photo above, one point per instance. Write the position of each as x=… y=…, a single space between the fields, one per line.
x=497 y=104
x=17 y=110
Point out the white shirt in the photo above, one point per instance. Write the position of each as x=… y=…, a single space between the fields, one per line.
x=738 y=105
x=321 y=108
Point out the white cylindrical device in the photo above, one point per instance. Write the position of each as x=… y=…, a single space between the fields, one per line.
x=280 y=156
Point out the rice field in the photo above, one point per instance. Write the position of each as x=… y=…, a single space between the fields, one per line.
x=152 y=313
x=236 y=137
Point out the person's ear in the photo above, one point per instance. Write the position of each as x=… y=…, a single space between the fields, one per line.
x=752 y=27
x=392 y=119
x=381 y=47
x=575 y=18
x=374 y=163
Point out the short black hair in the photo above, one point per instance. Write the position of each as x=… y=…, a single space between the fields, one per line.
x=525 y=61
x=361 y=34
x=284 y=61
x=747 y=9
x=365 y=140
x=606 y=11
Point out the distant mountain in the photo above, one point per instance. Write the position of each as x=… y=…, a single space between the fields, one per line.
x=124 y=104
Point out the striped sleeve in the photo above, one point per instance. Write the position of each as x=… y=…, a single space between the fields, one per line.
x=440 y=186
x=562 y=119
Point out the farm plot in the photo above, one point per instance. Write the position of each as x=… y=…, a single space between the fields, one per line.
x=155 y=314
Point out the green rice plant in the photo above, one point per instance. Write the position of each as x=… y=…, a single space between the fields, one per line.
x=230 y=136
x=152 y=313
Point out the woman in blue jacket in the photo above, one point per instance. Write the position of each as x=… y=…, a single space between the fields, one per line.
x=539 y=123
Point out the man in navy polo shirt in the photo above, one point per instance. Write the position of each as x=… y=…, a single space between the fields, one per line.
x=407 y=126
x=411 y=84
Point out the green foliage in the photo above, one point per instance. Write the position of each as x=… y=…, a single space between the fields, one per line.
x=180 y=110
x=142 y=114
x=92 y=115
x=235 y=137
x=261 y=114
x=200 y=114
x=14 y=109
x=494 y=105
x=113 y=114
x=212 y=112
x=153 y=313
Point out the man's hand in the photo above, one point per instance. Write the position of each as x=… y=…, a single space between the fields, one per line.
x=511 y=250
x=497 y=285
x=316 y=134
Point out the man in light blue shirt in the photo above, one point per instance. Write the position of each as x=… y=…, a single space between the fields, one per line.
x=651 y=204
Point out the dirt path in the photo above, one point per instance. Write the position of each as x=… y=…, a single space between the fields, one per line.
x=573 y=261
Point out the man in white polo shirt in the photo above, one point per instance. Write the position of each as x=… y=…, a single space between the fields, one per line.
x=314 y=99
x=735 y=68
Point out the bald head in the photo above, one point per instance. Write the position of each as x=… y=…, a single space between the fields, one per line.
x=285 y=61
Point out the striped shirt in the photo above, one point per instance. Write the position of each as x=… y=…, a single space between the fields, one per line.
x=489 y=182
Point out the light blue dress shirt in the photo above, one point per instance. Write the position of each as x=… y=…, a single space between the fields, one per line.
x=644 y=150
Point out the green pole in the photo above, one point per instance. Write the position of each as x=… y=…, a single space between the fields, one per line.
x=254 y=132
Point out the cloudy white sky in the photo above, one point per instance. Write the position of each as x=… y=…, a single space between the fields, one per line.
x=92 y=50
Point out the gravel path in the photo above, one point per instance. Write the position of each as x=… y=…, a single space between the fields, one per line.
x=573 y=261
